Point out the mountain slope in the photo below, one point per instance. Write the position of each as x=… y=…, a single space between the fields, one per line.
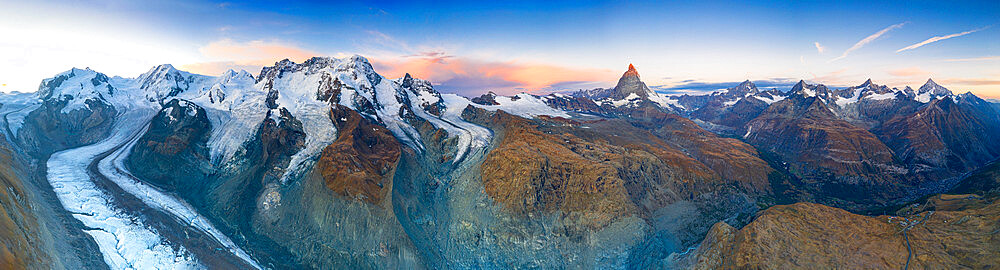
x=830 y=154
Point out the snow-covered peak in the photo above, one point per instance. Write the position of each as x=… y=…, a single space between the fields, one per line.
x=770 y=96
x=808 y=90
x=630 y=84
x=867 y=84
x=426 y=97
x=76 y=86
x=746 y=85
x=935 y=89
x=231 y=75
x=744 y=89
x=930 y=91
x=164 y=81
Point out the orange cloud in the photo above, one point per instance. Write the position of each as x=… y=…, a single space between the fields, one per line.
x=470 y=76
x=982 y=87
x=973 y=81
x=909 y=72
x=448 y=72
x=251 y=56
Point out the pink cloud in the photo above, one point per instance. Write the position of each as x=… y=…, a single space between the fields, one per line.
x=449 y=73
x=909 y=72
x=472 y=76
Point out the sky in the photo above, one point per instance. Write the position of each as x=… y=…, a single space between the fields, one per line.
x=510 y=47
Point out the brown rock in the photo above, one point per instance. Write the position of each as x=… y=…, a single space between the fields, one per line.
x=813 y=236
x=361 y=162
x=552 y=164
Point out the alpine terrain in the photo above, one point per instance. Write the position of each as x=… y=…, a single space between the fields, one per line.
x=326 y=164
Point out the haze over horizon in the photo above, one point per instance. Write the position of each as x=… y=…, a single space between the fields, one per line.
x=471 y=48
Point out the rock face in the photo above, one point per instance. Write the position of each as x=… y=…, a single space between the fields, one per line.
x=731 y=108
x=806 y=235
x=361 y=162
x=945 y=134
x=829 y=153
x=173 y=150
x=730 y=158
x=48 y=130
x=593 y=174
x=630 y=84
x=23 y=241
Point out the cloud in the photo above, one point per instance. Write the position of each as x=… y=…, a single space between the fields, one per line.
x=985 y=58
x=909 y=72
x=819 y=48
x=251 y=55
x=434 y=56
x=971 y=81
x=867 y=40
x=472 y=77
x=939 y=38
x=386 y=41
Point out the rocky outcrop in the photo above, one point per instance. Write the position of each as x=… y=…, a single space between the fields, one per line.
x=832 y=156
x=733 y=107
x=594 y=172
x=361 y=162
x=49 y=128
x=732 y=159
x=809 y=236
x=945 y=134
x=172 y=154
x=23 y=239
x=485 y=99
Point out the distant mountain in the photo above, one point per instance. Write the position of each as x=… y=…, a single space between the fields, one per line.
x=630 y=96
x=733 y=108
x=952 y=133
x=328 y=164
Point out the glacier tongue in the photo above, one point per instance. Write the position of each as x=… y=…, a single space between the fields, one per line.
x=113 y=167
x=124 y=241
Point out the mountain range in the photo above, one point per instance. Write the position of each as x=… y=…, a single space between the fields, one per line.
x=328 y=164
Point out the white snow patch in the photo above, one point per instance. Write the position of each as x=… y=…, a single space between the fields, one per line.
x=923 y=97
x=772 y=99
x=808 y=92
x=841 y=101
x=883 y=96
x=526 y=105
x=665 y=100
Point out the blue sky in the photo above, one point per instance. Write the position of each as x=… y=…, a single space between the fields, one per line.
x=469 y=48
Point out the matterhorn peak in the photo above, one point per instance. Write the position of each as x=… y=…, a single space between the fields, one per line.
x=631 y=72
x=630 y=84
